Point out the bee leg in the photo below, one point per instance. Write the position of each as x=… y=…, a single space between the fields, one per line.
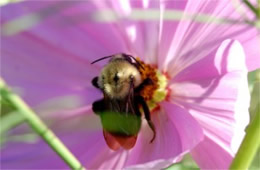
x=141 y=101
x=151 y=125
x=146 y=82
x=98 y=106
x=95 y=82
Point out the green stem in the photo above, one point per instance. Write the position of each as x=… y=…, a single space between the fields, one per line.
x=250 y=6
x=249 y=145
x=39 y=127
x=258 y=2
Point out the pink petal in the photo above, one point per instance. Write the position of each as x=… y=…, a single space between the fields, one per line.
x=23 y=155
x=58 y=52
x=209 y=155
x=184 y=43
x=217 y=98
x=174 y=137
x=141 y=36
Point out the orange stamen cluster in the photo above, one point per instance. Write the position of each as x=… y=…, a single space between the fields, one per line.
x=148 y=72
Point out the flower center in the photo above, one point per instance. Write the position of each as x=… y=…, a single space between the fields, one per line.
x=154 y=92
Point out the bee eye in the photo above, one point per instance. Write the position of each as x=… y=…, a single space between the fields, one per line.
x=116 y=78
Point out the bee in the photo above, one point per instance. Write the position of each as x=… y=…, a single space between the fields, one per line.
x=121 y=82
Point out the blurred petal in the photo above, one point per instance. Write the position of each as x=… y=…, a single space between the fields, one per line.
x=20 y=155
x=141 y=35
x=217 y=97
x=58 y=52
x=81 y=134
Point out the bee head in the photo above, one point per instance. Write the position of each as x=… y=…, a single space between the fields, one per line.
x=117 y=77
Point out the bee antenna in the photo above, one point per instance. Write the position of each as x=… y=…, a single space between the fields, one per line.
x=137 y=62
x=101 y=59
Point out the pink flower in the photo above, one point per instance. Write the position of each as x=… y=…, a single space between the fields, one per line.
x=47 y=48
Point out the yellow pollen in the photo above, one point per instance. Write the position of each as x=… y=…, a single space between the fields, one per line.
x=156 y=91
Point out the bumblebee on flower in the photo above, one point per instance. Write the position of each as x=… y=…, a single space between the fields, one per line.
x=200 y=107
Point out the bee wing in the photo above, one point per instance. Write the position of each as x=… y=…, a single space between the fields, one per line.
x=130 y=99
